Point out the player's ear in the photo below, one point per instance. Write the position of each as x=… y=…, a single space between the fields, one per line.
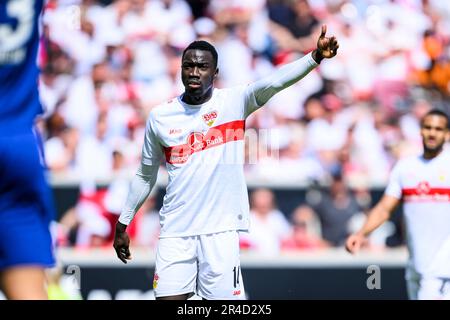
x=216 y=73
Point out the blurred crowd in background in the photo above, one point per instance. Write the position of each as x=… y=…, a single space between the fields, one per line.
x=105 y=64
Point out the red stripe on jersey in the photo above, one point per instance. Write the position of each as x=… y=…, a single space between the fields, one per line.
x=197 y=141
x=429 y=194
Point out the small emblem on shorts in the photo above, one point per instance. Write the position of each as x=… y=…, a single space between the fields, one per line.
x=155 y=281
x=210 y=117
x=236 y=292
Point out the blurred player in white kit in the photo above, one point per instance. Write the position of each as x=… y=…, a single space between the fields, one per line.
x=422 y=184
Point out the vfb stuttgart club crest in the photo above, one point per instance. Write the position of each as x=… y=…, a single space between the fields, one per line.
x=155 y=281
x=210 y=117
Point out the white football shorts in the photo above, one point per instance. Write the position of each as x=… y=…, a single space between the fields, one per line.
x=427 y=287
x=207 y=265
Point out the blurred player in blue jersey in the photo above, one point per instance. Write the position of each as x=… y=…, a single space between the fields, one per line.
x=25 y=198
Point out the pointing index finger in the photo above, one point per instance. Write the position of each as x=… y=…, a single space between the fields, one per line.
x=324 y=30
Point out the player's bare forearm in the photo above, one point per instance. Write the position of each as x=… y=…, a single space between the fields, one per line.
x=376 y=217
x=379 y=214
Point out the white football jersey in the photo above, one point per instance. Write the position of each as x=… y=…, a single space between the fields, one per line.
x=424 y=187
x=203 y=146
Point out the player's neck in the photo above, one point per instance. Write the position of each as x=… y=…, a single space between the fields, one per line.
x=196 y=100
x=431 y=154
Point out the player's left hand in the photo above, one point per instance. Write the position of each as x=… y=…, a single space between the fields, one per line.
x=326 y=46
x=122 y=243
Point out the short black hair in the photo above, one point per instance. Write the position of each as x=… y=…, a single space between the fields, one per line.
x=437 y=112
x=204 y=46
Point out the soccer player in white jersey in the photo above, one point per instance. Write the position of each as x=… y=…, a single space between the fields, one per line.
x=201 y=136
x=422 y=184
